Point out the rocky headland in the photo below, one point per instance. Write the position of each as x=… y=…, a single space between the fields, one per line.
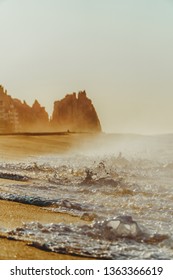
x=74 y=113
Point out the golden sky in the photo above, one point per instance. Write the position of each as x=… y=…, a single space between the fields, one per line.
x=119 y=51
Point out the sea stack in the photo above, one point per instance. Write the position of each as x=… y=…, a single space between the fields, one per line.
x=75 y=113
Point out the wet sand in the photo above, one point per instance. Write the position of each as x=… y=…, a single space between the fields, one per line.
x=19 y=250
x=14 y=147
x=13 y=214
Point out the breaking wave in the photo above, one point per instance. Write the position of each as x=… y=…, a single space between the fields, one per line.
x=117 y=238
x=125 y=198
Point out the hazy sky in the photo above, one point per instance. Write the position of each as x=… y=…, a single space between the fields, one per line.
x=119 y=51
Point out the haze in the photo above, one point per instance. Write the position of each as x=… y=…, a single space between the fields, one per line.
x=119 y=51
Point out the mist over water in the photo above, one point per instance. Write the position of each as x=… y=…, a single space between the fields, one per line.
x=132 y=146
x=120 y=184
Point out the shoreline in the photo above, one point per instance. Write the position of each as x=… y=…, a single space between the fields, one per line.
x=34 y=133
x=21 y=250
x=12 y=215
x=19 y=146
x=42 y=133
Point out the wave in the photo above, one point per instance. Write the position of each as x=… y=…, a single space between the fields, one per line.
x=120 y=237
x=105 y=190
x=15 y=177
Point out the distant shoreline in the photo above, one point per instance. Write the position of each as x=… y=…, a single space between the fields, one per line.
x=63 y=133
x=33 y=133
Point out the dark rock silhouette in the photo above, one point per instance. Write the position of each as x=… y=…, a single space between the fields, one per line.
x=75 y=113
x=72 y=113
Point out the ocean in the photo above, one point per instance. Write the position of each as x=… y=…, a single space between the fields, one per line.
x=121 y=184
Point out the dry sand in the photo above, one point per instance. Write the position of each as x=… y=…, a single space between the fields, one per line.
x=13 y=214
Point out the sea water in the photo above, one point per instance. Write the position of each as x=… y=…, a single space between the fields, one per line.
x=121 y=184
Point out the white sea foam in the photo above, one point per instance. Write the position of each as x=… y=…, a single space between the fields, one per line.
x=115 y=175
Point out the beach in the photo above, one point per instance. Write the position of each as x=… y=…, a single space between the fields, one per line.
x=76 y=196
x=13 y=214
x=14 y=147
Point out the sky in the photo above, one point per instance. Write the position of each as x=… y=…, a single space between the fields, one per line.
x=119 y=51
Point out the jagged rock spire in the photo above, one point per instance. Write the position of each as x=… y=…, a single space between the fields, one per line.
x=75 y=112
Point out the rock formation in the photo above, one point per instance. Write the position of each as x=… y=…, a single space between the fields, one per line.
x=72 y=113
x=16 y=116
x=75 y=113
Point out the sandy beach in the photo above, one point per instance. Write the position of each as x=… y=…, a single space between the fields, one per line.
x=18 y=146
x=13 y=147
x=13 y=214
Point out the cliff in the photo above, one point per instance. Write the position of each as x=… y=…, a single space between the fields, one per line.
x=75 y=113
x=18 y=116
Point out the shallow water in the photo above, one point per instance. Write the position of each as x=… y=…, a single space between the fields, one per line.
x=121 y=183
